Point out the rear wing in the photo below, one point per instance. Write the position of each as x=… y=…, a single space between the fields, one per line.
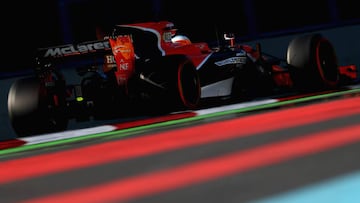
x=68 y=50
x=114 y=53
x=80 y=54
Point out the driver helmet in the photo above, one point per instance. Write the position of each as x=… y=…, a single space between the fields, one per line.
x=181 y=40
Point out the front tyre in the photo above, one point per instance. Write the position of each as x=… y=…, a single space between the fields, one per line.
x=32 y=110
x=187 y=87
x=177 y=83
x=313 y=63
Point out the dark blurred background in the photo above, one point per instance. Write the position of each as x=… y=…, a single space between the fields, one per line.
x=28 y=25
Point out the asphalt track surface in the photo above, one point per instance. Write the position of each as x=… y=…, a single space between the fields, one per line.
x=300 y=149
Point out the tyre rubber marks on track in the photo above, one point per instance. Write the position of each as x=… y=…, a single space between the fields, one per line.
x=209 y=169
x=217 y=167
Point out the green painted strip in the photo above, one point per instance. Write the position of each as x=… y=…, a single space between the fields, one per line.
x=139 y=129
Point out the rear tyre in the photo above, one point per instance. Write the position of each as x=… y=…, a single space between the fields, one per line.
x=313 y=63
x=33 y=111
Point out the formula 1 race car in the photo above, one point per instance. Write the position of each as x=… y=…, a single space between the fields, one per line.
x=149 y=68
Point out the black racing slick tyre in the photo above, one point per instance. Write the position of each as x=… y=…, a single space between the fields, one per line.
x=186 y=86
x=32 y=110
x=177 y=81
x=313 y=63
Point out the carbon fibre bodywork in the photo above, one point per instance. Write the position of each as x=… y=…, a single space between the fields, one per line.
x=141 y=68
